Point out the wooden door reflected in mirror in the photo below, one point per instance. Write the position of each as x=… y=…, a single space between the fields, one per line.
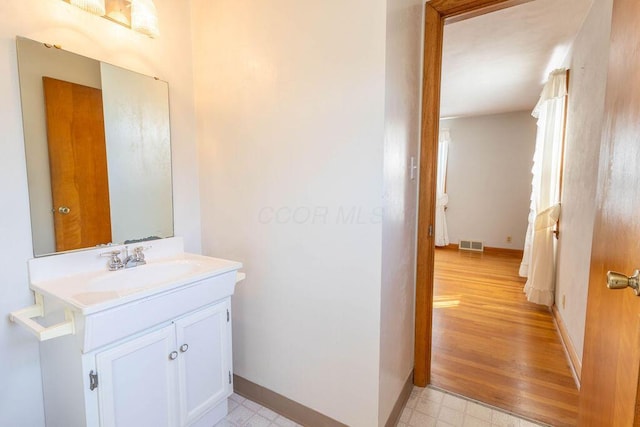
x=77 y=164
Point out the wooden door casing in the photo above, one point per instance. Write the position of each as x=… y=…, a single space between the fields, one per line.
x=609 y=392
x=436 y=12
x=78 y=164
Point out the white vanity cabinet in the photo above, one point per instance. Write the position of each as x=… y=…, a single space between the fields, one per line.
x=171 y=376
x=176 y=373
x=204 y=361
x=137 y=384
x=148 y=346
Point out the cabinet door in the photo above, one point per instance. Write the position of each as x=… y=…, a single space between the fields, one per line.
x=204 y=364
x=137 y=382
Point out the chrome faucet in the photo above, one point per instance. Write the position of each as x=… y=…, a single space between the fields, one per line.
x=136 y=258
x=115 y=263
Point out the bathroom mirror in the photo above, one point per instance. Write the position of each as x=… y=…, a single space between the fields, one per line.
x=97 y=143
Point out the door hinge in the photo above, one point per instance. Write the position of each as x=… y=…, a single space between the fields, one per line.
x=229 y=377
x=430 y=230
x=93 y=381
x=227 y=315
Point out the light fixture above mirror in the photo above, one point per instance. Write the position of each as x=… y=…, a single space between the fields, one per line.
x=93 y=6
x=139 y=15
x=144 y=17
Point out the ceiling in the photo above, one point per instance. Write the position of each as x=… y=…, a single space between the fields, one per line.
x=498 y=62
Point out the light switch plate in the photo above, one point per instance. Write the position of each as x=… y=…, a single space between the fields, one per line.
x=413 y=168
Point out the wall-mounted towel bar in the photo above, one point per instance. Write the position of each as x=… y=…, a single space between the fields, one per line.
x=24 y=316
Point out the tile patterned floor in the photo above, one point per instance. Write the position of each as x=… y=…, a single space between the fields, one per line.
x=427 y=407
x=245 y=413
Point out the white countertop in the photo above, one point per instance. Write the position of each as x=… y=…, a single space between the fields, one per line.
x=99 y=289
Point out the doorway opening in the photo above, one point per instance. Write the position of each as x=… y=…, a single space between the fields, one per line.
x=436 y=13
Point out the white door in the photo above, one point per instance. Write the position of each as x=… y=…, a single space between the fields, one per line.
x=204 y=364
x=137 y=382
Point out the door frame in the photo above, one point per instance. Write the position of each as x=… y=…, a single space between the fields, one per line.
x=437 y=12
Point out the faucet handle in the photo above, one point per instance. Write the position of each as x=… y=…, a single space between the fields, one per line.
x=111 y=253
x=138 y=252
x=115 y=263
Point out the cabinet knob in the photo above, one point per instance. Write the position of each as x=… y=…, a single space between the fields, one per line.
x=173 y=355
x=184 y=348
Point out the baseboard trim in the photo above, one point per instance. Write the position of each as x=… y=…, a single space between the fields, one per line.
x=569 y=349
x=450 y=246
x=394 y=417
x=506 y=251
x=488 y=249
x=282 y=405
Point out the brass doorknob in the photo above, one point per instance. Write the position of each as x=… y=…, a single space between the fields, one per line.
x=64 y=210
x=621 y=281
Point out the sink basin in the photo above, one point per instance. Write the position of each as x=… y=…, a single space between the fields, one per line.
x=143 y=276
x=81 y=282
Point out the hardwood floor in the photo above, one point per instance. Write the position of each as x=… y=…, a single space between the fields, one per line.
x=492 y=345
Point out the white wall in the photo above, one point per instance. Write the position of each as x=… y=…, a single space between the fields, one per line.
x=58 y=22
x=291 y=112
x=402 y=125
x=590 y=54
x=489 y=177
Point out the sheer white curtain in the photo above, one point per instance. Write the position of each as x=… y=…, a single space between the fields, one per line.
x=538 y=263
x=442 y=235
